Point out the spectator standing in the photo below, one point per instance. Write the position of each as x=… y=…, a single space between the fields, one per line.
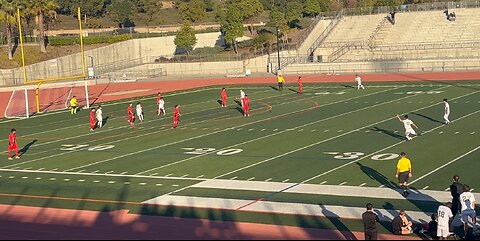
x=370 y=220
x=456 y=189
x=433 y=227
x=469 y=216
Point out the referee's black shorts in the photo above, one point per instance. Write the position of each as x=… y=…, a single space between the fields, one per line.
x=403 y=177
x=280 y=84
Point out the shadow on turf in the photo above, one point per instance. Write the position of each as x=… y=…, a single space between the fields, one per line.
x=428 y=118
x=377 y=176
x=25 y=149
x=387 y=132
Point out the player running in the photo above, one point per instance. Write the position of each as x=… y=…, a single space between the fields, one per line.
x=12 y=144
x=93 y=121
x=300 y=85
x=358 y=79
x=469 y=216
x=224 y=97
x=447 y=111
x=176 y=116
x=407 y=123
x=99 y=116
x=73 y=105
x=131 y=116
x=139 y=110
x=246 y=106
x=161 y=106
x=444 y=215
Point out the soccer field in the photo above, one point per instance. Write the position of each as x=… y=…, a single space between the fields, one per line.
x=332 y=137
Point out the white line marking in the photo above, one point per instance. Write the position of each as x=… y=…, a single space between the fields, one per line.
x=81 y=180
x=154 y=174
x=263 y=129
x=425 y=188
x=446 y=164
x=447 y=190
x=275 y=130
x=343 y=183
x=109 y=172
x=323 y=182
x=158 y=184
x=250 y=178
x=24 y=177
x=363 y=184
x=111 y=182
x=53 y=179
x=66 y=180
x=268 y=180
x=200 y=176
x=96 y=181
x=286 y=180
x=175 y=185
x=381 y=186
x=472 y=133
x=142 y=184
x=123 y=173
x=169 y=175
x=38 y=178
x=127 y=183
x=456 y=133
x=186 y=175
x=441 y=132
x=233 y=178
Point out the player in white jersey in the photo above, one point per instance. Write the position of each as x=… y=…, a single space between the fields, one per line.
x=161 y=106
x=139 y=111
x=447 y=111
x=444 y=214
x=467 y=199
x=99 y=116
x=242 y=96
x=358 y=79
x=407 y=123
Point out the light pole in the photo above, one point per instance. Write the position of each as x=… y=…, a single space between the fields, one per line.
x=278 y=48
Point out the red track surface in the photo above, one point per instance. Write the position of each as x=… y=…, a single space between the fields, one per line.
x=18 y=222
x=111 y=92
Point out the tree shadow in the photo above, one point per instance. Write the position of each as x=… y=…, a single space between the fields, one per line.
x=428 y=118
x=387 y=132
x=25 y=149
x=335 y=220
x=377 y=176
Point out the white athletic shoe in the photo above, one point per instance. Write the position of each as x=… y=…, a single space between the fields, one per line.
x=17 y=157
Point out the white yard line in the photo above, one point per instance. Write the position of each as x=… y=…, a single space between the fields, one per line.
x=446 y=164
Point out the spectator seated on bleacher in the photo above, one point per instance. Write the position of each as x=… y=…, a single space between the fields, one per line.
x=391 y=17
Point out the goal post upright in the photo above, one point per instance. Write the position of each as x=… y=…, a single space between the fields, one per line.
x=21 y=46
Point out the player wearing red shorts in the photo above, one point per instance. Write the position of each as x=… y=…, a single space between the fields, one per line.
x=12 y=144
x=300 y=85
x=224 y=97
x=131 y=116
x=93 y=121
x=176 y=116
x=246 y=106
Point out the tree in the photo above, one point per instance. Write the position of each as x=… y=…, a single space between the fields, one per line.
x=186 y=38
x=121 y=11
x=8 y=11
x=312 y=7
x=40 y=9
x=248 y=8
x=148 y=11
x=232 y=25
x=277 y=18
x=193 y=10
x=295 y=11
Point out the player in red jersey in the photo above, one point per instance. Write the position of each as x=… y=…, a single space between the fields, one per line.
x=176 y=116
x=93 y=121
x=12 y=144
x=246 y=106
x=300 y=85
x=131 y=116
x=224 y=97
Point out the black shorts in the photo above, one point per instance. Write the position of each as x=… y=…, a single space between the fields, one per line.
x=403 y=177
x=280 y=84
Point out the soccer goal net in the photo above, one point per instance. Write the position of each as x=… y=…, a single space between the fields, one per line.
x=32 y=100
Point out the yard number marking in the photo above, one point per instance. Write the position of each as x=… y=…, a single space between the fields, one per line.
x=356 y=155
x=69 y=147
x=203 y=151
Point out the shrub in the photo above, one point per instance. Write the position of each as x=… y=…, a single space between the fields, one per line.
x=71 y=40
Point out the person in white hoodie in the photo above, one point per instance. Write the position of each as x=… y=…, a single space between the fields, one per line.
x=140 y=112
x=99 y=116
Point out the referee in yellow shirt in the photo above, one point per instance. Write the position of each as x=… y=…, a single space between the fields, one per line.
x=281 y=82
x=404 y=171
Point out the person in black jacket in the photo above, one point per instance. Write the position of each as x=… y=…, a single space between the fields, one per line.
x=370 y=220
x=456 y=189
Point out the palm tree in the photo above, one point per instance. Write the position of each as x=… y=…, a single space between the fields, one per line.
x=8 y=11
x=41 y=9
